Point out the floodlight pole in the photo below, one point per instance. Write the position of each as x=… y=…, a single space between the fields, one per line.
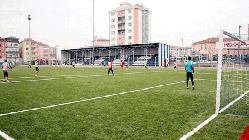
x=182 y=47
x=93 y=35
x=29 y=18
x=239 y=43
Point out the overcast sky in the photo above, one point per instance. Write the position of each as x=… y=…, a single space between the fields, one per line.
x=69 y=23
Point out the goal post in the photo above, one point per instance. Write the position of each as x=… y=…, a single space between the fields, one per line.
x=225 y=79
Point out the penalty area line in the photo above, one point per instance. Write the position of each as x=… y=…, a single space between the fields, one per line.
x=5 y=136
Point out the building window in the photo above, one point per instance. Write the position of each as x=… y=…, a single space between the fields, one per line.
x=129 y=11
x=129 y=24
x=27 y=53
x=129 y=43
x=130 y=17
x=2 y=51
x=113 y=26
x=112 y=14
x=113 y=39
x=129 y=31
x=113 y=32
x=122 y=12
x=27 y=43
x=129 y=37
x=112 y=44
x=3 y=46
x=113 y=20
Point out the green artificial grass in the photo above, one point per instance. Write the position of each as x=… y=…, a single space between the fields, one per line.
x=166 y=112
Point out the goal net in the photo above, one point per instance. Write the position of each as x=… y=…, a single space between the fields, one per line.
x=232 y=76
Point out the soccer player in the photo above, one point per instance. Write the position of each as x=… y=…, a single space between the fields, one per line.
x=165 y=64
x=10 y=65
x=145 y=65
x=73 y=64
x=5 y=67
x=122 y=64
x=104 y=63
x=110 y=67
x=189 y=67
x=13 y=65
x=126 y=64
x=36 y=68
x=29 y=65
x=174 y=65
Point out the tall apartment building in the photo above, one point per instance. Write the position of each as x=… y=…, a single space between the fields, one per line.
x=9 y=49
x=130 y=24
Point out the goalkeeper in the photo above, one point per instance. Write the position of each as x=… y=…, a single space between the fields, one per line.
x=189 y=67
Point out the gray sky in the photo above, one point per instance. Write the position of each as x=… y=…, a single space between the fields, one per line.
x=68 y=23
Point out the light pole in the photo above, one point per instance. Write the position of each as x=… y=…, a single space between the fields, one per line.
x=29 y=18
x=239 y=42
x=182 y=46
x=93 y=35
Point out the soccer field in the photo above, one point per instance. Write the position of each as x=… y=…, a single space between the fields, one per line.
x=134 y=104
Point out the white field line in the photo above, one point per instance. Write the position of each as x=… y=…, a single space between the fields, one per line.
x=210 y=119
x=5 y=136
x=82 y=100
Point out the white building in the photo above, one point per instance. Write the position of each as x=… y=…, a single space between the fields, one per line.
x=130 y=24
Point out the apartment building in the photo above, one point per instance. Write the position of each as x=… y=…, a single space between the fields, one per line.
x=101 y=42
x=24 y=50
x=130 y=24
x=9 y=49
x=2 y=48
x=180 y=52
x=43 y=52
x=207 y=48
x=12 y=49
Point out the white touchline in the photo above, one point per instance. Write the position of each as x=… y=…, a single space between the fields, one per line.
x=5 y=136
x=81 y=100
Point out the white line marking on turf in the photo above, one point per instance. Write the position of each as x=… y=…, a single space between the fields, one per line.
x=156 y=71
x=26 y=77
x=5 y=136
x=69 y=77
x=64 y=75
x=211 y=118
x=76 y=101
x=44 y=76
x=95 y=75
x=199 y=127
x=45 y=79
x=31 y=80
x=83 y=76
x=15 y=81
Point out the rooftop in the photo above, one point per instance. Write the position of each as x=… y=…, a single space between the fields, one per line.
x=213 y=40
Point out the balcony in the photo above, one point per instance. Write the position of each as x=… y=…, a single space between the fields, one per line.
x=121 y=21
x=121 y=28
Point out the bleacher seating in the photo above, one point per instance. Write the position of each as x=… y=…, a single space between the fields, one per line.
x=151 y=62
x=99 y=61
x=140 y=61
